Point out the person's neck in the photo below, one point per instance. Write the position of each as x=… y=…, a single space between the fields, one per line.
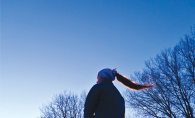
x=107 y=80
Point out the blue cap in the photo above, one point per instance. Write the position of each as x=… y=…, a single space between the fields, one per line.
x=107 y=73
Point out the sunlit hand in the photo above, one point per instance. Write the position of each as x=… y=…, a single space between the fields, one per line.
x=150 y=85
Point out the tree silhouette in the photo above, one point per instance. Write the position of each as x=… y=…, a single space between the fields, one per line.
x=66 y=105
x=174 y=73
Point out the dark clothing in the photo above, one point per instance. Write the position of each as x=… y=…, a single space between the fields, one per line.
x=105 y=101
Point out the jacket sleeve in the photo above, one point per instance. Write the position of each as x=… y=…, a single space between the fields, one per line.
x=91 y=102
x=130 y=84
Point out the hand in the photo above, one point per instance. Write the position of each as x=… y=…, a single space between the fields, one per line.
x=150 y=85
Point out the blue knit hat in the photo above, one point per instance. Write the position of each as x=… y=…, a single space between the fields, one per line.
x=107 y=73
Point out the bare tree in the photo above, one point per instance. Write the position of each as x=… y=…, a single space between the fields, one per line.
x=174 y=94
x=66 y=105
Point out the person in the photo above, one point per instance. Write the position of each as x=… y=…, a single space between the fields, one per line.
x=104 y=100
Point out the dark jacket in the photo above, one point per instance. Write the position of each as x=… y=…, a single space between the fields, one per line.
x=105 y=101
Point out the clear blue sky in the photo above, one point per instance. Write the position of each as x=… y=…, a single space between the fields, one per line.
x=48 y=46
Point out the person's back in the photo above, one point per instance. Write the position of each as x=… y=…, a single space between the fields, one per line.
x=110 y=103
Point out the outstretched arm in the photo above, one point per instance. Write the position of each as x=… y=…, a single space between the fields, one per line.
x=128 y=83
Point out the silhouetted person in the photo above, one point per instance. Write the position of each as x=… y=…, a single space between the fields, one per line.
x=104 y=100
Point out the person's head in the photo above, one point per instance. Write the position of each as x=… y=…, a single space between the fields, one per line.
x=107 y=74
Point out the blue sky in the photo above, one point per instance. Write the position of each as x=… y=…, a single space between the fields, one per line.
x=48 y=46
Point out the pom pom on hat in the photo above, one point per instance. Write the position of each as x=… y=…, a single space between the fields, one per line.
x=107 y=73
